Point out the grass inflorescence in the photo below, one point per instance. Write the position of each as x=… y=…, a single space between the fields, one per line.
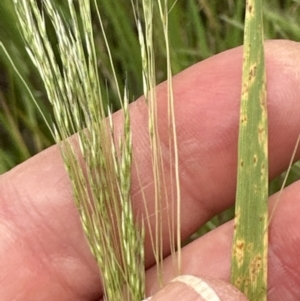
x=99 y=167
x=99 y=163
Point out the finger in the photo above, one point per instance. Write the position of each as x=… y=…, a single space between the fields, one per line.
x=191 y=288
x=207 y=111
x=209 y=256
x=36 y=196
x=43 y=252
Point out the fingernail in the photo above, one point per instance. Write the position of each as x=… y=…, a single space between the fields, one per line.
x=188 y=288
x=199 y=286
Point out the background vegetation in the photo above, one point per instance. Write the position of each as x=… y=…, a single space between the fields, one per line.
x=199 y=29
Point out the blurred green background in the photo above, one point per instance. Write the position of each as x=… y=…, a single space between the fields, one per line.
x=198 y=30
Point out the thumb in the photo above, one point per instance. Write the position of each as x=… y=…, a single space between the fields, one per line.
x=191 y=288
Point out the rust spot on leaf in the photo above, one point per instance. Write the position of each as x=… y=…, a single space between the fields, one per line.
x=252 y=73
x=240 y=245
x=250 y=8
x=238 y=252
x=244 y=119
x=255 y=267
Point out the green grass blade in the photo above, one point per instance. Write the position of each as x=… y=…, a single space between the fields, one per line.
x=249 y=257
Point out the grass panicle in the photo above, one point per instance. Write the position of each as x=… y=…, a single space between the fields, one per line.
x=175 y=220
x=99 y=164
x=250 y=246
x=165 y=171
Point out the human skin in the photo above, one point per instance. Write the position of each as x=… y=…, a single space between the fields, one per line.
x=43 y=253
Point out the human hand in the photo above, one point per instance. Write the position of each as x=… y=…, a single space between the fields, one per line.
x=43 y=252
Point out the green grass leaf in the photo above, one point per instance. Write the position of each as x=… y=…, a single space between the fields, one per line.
x=250 y=246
